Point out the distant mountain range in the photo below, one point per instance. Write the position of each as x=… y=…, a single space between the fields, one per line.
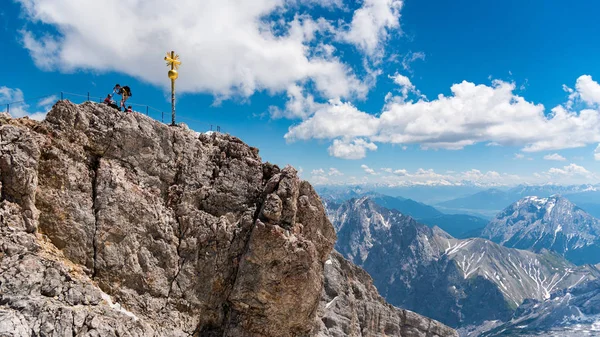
x=425 y=194
x=428 y=271
x=569 y=312
x=457 y=225
x=552 y=223
x=484 y=202
x=437 y=194
x=492 y=201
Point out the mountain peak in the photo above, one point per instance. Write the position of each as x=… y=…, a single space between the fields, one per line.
x=552 y=223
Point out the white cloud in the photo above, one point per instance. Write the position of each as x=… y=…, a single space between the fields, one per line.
x=228 y=48
x=368 y=170
x=354 y=149
x=566 y=175
x=521 y=156
x=335 y=120
x=588 y=89
x=318 y=172
x=387 y=170
x=406 y=87
x=430 y=177
x=597 y=152
x=554 y=156
x=472 y=114
x=21 y=107
x=319 y=180
x=569 y=170
x=334 y=172
x=370 y=25
x=410 y=58
x=401 y=172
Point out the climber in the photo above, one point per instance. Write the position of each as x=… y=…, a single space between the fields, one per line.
x=109 y=101
x=129 y=109
x=124 y=91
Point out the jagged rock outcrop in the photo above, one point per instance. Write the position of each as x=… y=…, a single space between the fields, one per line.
x=112 y=224
x=189 y=230
x=351 y=306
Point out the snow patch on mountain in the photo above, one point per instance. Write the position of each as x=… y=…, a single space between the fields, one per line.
x=552 y=223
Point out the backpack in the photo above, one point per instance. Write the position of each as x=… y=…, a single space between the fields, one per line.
x=127 y=90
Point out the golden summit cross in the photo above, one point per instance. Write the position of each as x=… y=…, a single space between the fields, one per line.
x=173 y=62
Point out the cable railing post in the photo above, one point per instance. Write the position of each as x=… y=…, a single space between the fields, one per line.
x=88 y=96
x=211 y=127
x=7 y=108
x=162 y=116
x=147 y=111
x=61 y=96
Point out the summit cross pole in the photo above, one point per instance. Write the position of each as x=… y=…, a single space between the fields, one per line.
x=173 y=61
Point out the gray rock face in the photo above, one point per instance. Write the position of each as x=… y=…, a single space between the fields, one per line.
x=436 y=275
x=182 y=229
x=552 y=223
x=351 y=306
x=113 y=224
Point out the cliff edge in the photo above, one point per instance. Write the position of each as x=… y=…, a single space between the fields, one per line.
x=113 y=224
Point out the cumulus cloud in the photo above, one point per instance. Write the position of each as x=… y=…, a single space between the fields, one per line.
x=406 y=87
x=401 y=172
x=588 y=89
x=368 y=170
x=21 y=107
x=334 y=172
x=318 y=172
x=351 y=149
x=569 y=170
x=554 y=156
x=334 y=120
x=370 y=25
x=229 y=47
x=597 y=153
x=474 y=113
x=569 y=174
x=430 y=177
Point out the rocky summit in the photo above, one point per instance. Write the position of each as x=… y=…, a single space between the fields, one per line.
x=113 y=224
x=552 y=223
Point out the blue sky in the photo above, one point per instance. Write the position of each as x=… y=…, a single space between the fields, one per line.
x=347 y=91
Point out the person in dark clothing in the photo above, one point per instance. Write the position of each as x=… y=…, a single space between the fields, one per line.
x=124 y=91
x=129 y=109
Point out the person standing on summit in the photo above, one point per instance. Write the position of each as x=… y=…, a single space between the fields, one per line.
x=124 y=91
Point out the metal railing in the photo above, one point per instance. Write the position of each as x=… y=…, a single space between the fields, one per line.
x=149 y=110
